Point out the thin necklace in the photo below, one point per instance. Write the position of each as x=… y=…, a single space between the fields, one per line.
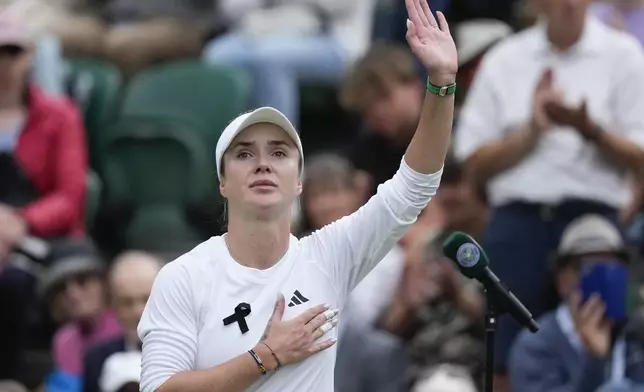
x=230 y=252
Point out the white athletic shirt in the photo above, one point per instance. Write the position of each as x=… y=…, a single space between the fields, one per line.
x=182 y=326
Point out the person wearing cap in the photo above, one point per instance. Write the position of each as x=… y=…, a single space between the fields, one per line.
x=445 y=378
x=122 y=372
x=48 y=64
x=553 y=128
x=576 y=348
x=74 y=287
x=255 y=309
x=42 y=143
x=43 y=164
x=12 y=386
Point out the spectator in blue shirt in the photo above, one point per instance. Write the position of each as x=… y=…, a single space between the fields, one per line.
x=577 y=349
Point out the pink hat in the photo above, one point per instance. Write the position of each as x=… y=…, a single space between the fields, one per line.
x=13 y=32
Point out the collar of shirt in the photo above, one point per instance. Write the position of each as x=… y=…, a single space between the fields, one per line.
x=9 y=137
x=564 y=319
x=8 y=141
x=590 y=42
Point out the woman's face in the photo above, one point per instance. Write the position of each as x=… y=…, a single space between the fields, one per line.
x=80 y=297
x=325 y=205
x=14 y=66
x=261 y=172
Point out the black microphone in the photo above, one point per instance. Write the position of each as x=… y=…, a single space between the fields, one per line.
x=472 y=261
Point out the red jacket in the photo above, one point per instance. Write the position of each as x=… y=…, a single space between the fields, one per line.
x=52 y=151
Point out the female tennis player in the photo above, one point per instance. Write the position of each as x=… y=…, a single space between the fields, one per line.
x=255 y=309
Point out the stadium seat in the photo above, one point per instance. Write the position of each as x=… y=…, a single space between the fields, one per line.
x=157 y=170
x=159 y=158
x=95 y=86
x=211 y=96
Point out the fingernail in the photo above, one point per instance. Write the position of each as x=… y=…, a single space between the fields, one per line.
x=330 y=313
x=335 y=321
x=327 y=306
x=408 y=22
x=334 y=340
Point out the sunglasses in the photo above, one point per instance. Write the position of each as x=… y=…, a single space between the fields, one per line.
x=11 y=50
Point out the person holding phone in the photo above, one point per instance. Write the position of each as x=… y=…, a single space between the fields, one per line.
x=583 y=346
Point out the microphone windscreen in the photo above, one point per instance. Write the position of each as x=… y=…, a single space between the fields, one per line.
x=466 y=253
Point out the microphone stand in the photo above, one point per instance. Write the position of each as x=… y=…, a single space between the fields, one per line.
x=497 y=306
x=490 y=331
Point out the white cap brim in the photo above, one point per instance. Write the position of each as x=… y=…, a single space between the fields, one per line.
x=475 y=37
x=446 y=380
x=119 y=369
x=262 y=115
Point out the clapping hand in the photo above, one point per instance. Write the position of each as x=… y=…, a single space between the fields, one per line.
x=575 y=117
x=431 y=42
x=544 y=96
x=593 y=329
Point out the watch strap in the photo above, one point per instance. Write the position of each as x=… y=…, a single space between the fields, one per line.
x=441 y=91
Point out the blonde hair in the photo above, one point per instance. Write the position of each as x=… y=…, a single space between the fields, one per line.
x=383 y=66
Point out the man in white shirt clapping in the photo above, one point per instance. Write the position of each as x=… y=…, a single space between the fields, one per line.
x=554 y=127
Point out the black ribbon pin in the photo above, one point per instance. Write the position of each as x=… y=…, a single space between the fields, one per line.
x=241 y=311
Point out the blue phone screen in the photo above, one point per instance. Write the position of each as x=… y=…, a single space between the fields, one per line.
x=609 y=280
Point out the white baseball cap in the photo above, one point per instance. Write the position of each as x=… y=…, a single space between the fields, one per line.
x=476 y=36
x=13 y=32
x=120 y=369
x=446 y=378
x=261 y=115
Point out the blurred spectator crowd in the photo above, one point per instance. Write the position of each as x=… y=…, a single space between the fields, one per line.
x=110 y=111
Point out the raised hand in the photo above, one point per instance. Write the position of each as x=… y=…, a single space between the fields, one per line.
x=431 y=42
x=593 y=329
x=295 y=340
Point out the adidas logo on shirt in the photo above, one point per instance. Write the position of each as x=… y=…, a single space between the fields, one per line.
x=297 y=299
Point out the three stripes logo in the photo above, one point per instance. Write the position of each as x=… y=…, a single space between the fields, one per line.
x=297 y=299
